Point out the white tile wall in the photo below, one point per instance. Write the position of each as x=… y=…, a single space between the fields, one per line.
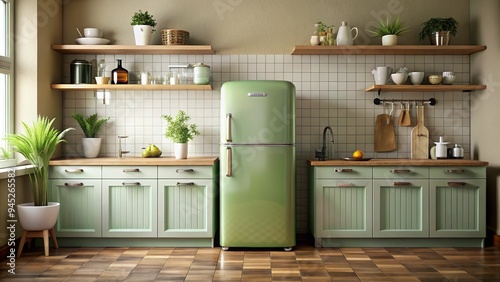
x=330 y=91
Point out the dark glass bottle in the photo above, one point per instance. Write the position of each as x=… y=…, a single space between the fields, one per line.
x=119 y=75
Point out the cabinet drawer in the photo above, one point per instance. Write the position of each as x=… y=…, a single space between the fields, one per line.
x=185 y=172
x=458 y=172
x=75 y=172
x=343 y=172
x=129 y=171
x=395 y=172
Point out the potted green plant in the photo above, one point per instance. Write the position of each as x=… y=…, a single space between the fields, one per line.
x=439 y=30
x=389 y=30
x=180 y=132
x=90 y=126
x=144 y=24
x=37 y=145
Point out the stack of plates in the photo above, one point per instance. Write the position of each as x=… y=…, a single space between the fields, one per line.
x=91 y=41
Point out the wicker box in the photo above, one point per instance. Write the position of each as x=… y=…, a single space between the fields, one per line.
x=174 y=37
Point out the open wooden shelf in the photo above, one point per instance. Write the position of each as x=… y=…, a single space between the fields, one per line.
x=388 y=50
x=133 y=49
x=424 y=88
x=94 y=87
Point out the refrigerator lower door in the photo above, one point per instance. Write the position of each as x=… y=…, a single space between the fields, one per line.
x=257 y=200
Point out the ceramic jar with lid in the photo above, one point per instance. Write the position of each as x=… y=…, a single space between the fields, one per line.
x=80 y=72
x=201 y=74
x=441 y=149
x=458 y=152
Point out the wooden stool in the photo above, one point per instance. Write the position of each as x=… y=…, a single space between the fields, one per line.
x=37 y=234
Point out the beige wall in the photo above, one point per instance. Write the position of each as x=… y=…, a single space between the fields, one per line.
x=485 y=104
x=256 y=26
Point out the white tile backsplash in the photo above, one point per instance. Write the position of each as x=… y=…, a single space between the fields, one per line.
x=330 y=91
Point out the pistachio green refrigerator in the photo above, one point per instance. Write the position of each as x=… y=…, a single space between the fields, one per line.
x=257 y=164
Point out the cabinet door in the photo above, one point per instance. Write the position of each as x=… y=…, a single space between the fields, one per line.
x=80 y=211
x=458 y=208
x=343 y=208
x=185 y=208
x=129 y=208
x=400 y=208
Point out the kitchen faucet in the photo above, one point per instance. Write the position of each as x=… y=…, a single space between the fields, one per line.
x=120 y=151
x=321 y=155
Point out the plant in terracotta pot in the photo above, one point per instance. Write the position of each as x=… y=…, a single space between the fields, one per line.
x=90 y=126
x=37 y=145
x=389 y=30
x=144 y=24
x=439 y=30
x=180 y=132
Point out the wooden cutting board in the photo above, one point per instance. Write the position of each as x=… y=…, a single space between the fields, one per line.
x=420 y=137
x=385 y=138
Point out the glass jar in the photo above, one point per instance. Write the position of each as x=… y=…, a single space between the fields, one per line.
x=201 y=74
x=119 y=75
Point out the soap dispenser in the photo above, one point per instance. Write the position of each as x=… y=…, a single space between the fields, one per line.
x=441 y=148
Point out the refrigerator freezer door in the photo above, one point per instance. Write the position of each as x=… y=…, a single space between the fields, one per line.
x=258 y=112
x=257 y=200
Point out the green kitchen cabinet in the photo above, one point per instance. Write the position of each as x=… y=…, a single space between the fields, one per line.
x=129 y=197
x=400 y=202
x=78 y=190
x=342 y=198
x=458 y=197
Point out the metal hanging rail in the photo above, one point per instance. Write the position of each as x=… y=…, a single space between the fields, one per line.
x=431 y=101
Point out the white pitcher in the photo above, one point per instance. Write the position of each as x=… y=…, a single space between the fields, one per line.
x=344 y=35
x=381 y=75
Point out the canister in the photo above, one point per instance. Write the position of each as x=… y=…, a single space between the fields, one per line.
x=201 y=74
x=80 y=72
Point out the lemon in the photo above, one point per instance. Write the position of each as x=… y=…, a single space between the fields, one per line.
x=357 y=154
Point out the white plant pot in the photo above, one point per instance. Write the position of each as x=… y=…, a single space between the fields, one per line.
x=142 y=34
x=91 y=147
x=181 y=150
x=389 y=40
x=36 y=218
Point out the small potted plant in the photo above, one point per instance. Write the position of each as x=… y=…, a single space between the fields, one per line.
x=389 y=30
x=439 y=30
x=37 y=145
x=90 y=126
x=144 y=25
x=180 y=132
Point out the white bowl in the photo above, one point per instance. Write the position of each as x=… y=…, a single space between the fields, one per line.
x=91 y=41
x=399 y=78
x=102 y=79
x=92 y=32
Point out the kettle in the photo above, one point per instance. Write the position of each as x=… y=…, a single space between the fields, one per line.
x=344 y=34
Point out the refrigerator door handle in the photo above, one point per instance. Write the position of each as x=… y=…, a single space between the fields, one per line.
x=229 y=171
x=229 y=138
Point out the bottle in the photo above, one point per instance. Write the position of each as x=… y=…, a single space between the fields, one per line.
x=119 y=75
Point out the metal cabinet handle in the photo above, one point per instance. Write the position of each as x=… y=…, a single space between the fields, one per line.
x=400 y=171
x=180 y=170
x=402 y=183
x=455 y=184
x=343 y=170
x=131 y=183
x=131 y=170
x=76 y=170
x=73 y=184
x=185 y=183
x=455 y=171
x=229 y=171
x=229 y=137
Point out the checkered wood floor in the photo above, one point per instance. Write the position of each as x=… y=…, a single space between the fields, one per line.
x=304 y=263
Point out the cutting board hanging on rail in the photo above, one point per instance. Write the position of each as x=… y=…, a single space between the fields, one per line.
x=385 y=138
x=420 y=137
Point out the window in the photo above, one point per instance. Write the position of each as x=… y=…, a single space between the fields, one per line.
x=6 y=76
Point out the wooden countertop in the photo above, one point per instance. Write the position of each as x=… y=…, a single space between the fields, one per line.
x=398 y=162
x=206 y=161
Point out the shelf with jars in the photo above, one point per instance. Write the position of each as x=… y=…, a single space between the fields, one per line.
x=94 y=87
x=134 y=49
x=387 y=50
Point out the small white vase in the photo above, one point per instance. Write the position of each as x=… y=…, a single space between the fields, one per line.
x=389 y=40
x=181 y=150
x=91 y=147
x=142 y=34
x=37 y=218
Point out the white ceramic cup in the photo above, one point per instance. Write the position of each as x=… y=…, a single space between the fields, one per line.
x=381 y=75
x=416 y=77
x=314 y=40
x=92 y=32
x=399 y=78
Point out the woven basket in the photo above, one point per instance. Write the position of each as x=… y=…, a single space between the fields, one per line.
x=174 y=37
